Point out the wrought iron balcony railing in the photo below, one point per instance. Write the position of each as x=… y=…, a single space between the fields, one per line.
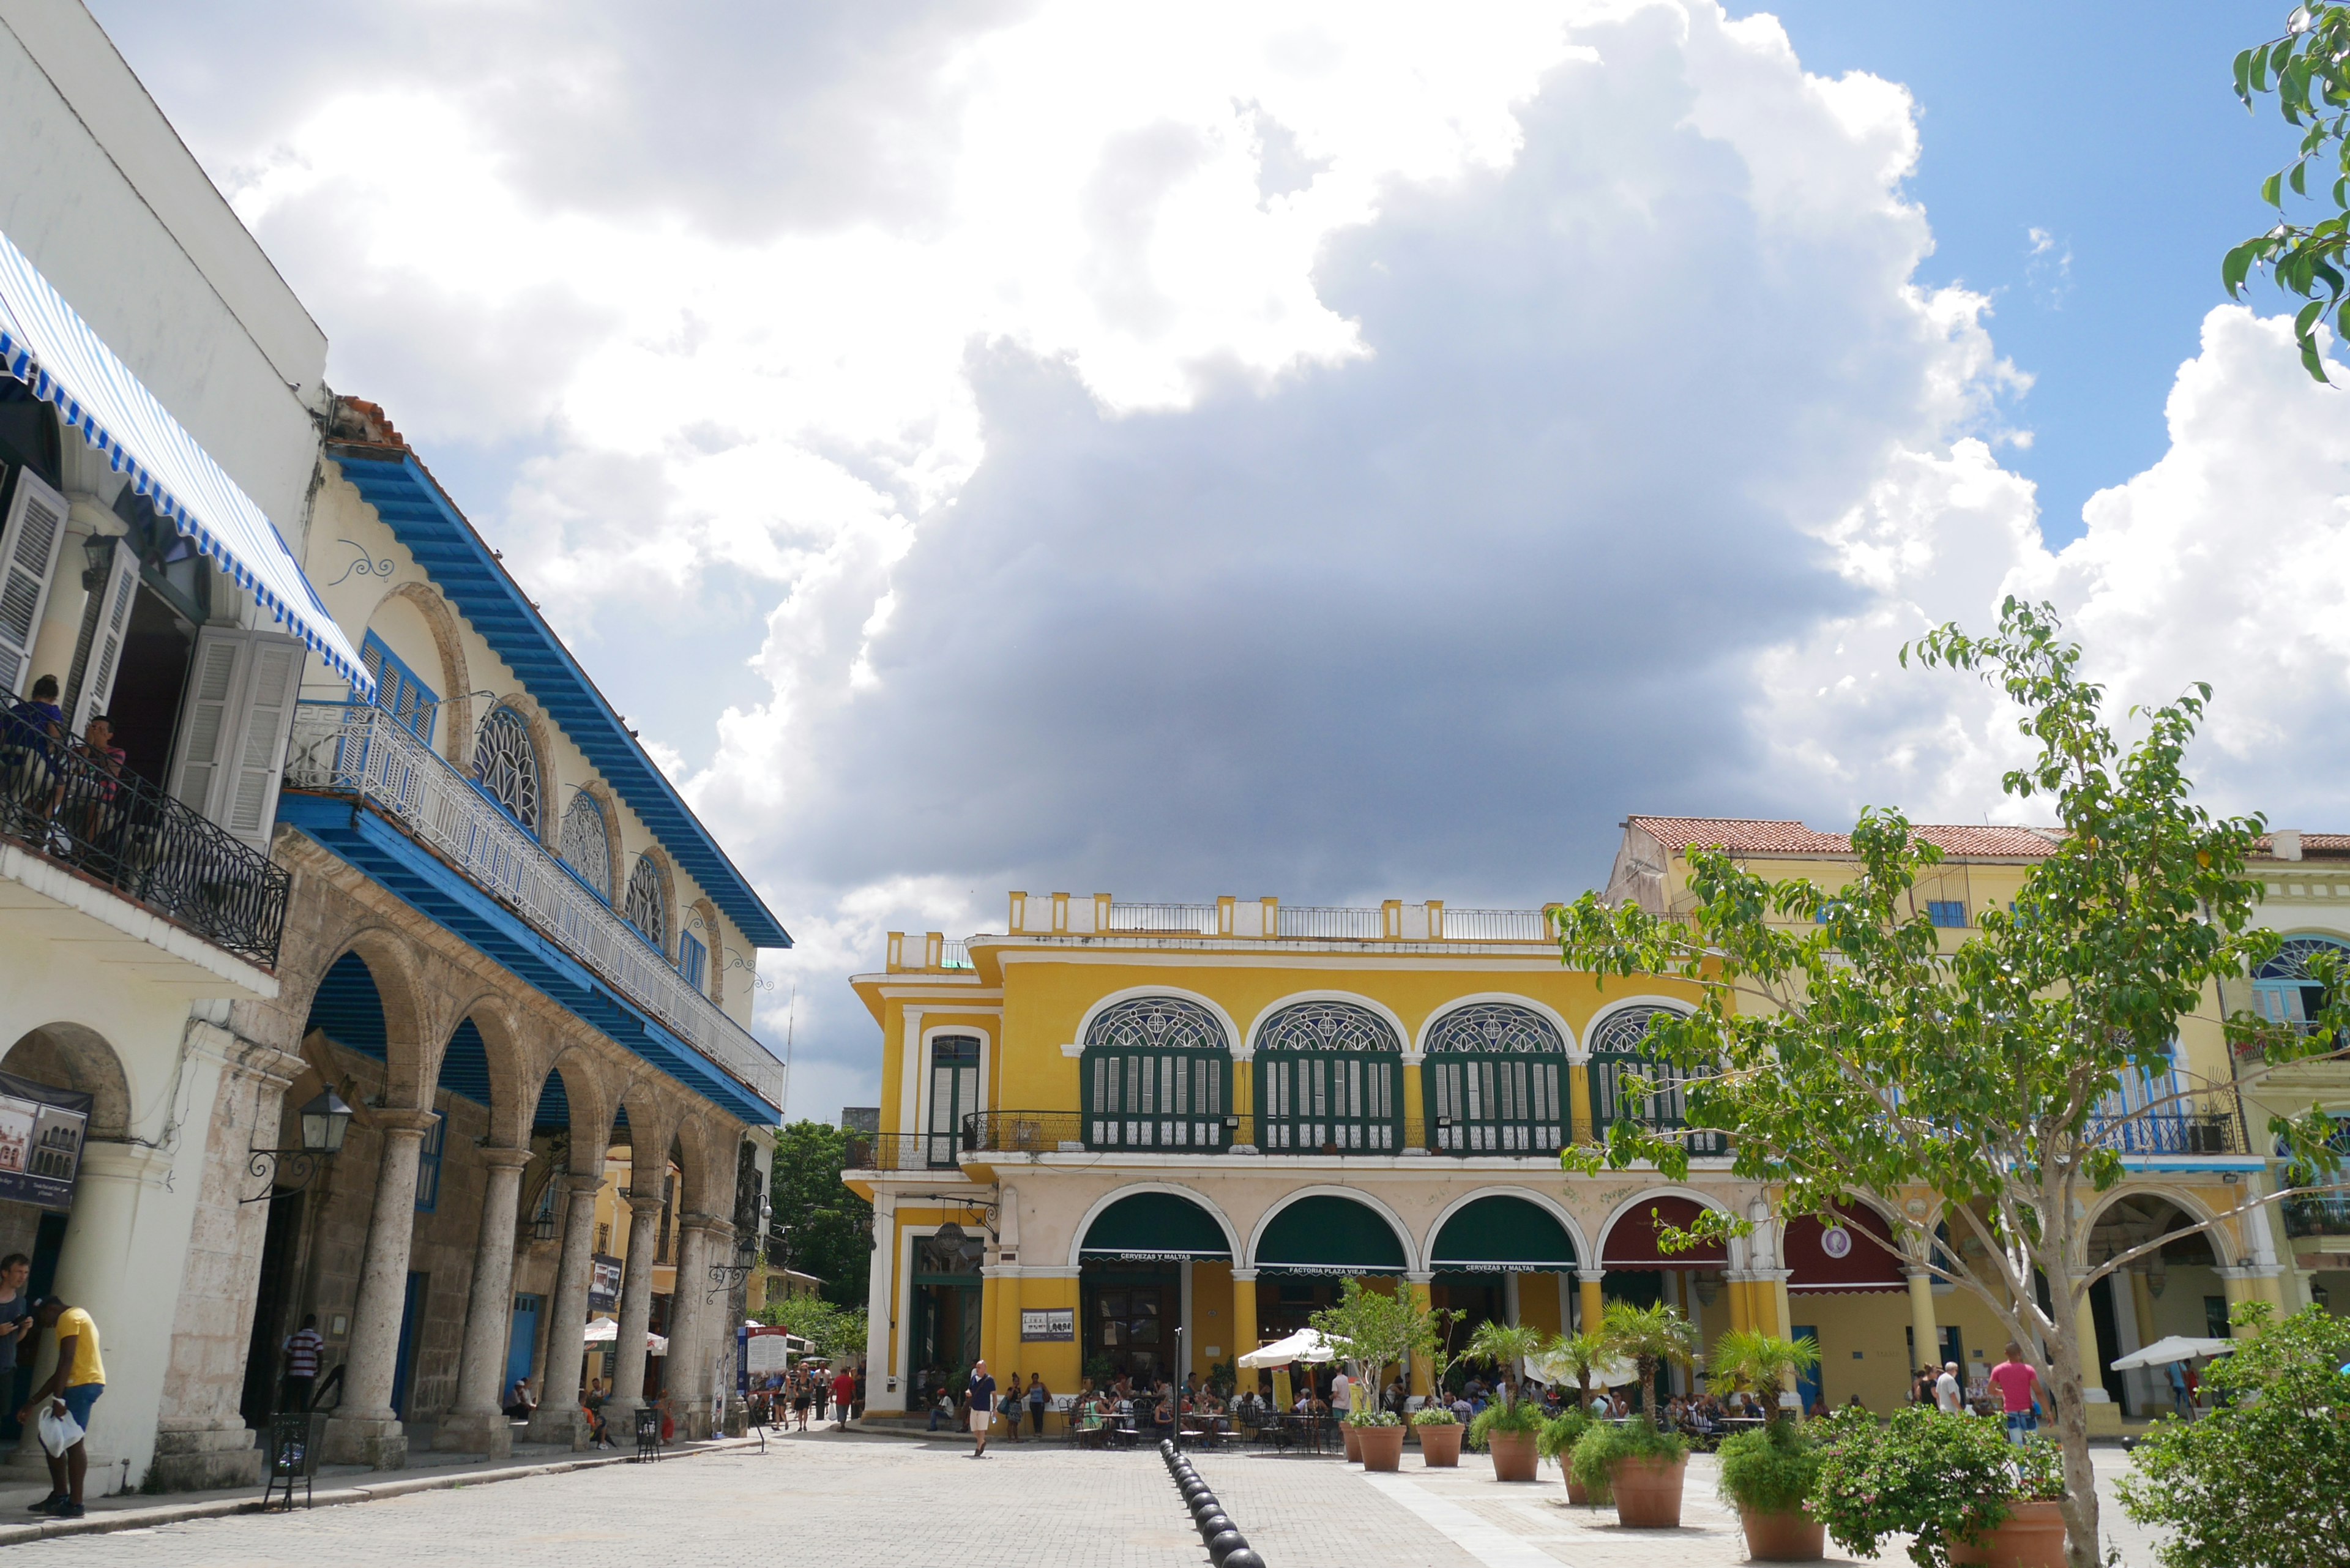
x=89 y=813
x=2327 y=1215
x=363 y=751
x=1037 y=1133
x=2208 y=1123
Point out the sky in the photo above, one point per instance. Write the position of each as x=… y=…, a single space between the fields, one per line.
x=1332 y=451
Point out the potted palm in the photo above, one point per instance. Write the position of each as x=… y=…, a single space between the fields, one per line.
x=1434 y=1424
x=1767 y=1474
x=1952 y=1483
x=1371 y=1332
x=1579 y=1357
x=1643 y=1465
x=1508 y=1426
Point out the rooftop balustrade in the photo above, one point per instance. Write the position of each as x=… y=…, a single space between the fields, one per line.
x=363 y=751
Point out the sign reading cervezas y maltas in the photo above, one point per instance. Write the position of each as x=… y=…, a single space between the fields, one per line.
x=41 y=1131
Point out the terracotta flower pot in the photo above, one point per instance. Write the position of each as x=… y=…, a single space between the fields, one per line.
x=1648 y=1492
x=1783 y=1535
x=1439 y=1447
x=1381 y=1447
x=1575 y=1493
x=2032 y=1537
x=1354 y=1443
x=1514 y=1456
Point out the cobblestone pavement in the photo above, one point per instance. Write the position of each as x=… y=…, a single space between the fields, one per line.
x=856 y=1501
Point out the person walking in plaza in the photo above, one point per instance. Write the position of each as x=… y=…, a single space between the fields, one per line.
x=2019 y=1389
x=1010 y=1405
x=71 y=1390
x=1040 y=1399
x=15 y=1313
x=844 y=1392
x=980 y=1395
x=1949 y=1397
x=2177 y=1371
x=302 y=1349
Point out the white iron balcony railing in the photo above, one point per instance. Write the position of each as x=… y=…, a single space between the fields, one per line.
x=1177 y=919
x=362 y=751
x=1496 y=926
x=954 y=955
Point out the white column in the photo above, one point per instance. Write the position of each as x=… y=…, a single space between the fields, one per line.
x=1509 y=1298
x=558 y=1419
x=885 y=1383
x=479 y=1424
x=636 y=1308
x=366 y=1432
x=1566 y=1301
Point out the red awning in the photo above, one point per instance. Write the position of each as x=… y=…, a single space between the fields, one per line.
x=1857 y=1255
x=1631 y=1243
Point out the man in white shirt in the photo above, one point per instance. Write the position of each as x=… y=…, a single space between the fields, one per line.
x=1342 y=1395
x=1949 y=1397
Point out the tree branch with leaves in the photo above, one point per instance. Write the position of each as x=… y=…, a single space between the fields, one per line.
x=2308 y=71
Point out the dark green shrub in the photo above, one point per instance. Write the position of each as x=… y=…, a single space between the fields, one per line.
x=1771 y=1470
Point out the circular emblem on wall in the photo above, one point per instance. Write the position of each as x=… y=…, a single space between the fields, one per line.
x=1836 y=1242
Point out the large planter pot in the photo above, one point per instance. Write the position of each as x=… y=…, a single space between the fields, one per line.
x=1349 y=1430
x=1783 y=1535
x=1381 y=1447
x=1648 y=1492
x=1439 y=1447
x=1575 y=1493
x=1514 y=1456
x=2032 y=1537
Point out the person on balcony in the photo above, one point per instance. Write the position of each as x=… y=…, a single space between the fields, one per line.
x=28 y=732
x=94 y=778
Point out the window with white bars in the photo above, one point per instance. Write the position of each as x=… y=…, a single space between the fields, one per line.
x=1495 y=1081
x=1330 y=1078
x=1631 y=1082
x=1156 y=1071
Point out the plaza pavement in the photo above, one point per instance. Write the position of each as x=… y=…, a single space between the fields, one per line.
x=860 y=1501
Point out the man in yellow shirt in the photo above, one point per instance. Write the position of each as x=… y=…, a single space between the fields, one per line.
x=72 y=1389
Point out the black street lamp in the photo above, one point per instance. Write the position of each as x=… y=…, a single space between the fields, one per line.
x=323 y=1122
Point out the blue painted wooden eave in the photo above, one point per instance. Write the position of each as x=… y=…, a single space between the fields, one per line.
x=429 y=526
x=412 y=873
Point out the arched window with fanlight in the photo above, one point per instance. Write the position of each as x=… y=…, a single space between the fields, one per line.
x=646 y=904
x=1329 y=1076
x=1495 y=1081
x=506 y=765
x=1630 y=1082
x=2284 y=991
x=1156 y=1074
x=585 y=844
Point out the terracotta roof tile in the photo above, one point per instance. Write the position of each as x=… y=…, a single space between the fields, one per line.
x=1747 y=836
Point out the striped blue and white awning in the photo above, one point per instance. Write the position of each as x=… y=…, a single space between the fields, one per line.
x=45 y=343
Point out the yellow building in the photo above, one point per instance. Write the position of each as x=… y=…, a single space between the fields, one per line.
x=1147 y=1137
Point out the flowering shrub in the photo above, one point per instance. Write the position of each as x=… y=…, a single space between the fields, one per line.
x=1941 y=1479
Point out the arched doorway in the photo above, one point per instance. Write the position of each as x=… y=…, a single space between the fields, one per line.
x=1501 y=1259
x=1130 y=1293
x=1312 y=1244
x=1846 y=1278
x=2175 y=1289
x=57 y=1084
x=1638 y=1270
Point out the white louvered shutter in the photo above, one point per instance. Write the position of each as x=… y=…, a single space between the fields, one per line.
x=234 y=727
x=274 y=677
x=29 y=553
x=98 y=655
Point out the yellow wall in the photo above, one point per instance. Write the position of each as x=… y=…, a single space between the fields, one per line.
x=1211 y=1316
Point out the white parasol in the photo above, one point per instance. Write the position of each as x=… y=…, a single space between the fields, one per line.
x=2174 y=1347
x=1306 y=1344
x=607 y=1331
x=1615 y=1375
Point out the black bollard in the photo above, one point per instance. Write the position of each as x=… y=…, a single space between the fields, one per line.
x=1222 y=1546
x=1243 y=1558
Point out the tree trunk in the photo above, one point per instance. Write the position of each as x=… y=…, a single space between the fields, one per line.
x=2079 y=1506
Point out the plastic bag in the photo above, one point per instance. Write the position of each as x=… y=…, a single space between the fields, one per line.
x=59 y=1431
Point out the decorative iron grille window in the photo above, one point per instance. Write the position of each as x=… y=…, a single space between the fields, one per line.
x=2283 y=990
x=1495 y=1081
x=506 y=765
x=647 y=905
x=1155 y=1073
x=585 y=844
x=1620 y=1051
x=1329 y=1076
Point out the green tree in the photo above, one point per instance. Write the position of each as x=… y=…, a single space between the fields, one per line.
x=1505 y=1347
x=2264 y=1480
x=1582 y=1354
x=1756 y=1361
x=2308 y=69
x=1647 y=1338
x=834 y=1330
x=820 y=1226
x=1371 y=1332
x=1847 y=1052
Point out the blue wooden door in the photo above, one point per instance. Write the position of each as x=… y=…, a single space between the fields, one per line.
x=412 y=1307
x=1807 y=1383
x=523 y=1341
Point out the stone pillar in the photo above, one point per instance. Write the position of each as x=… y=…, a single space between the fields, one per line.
x=559 y=1419
x=884 y=1379
x=636 y=1309
x=366 y=1432
x=1593 y=1303
x=2254 y=1282
x=478 y=1424
x=1417 y=1285
x=1926 y=1350
x=689 y=1311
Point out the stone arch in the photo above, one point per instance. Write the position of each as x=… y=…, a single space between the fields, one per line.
x=456 y=729
x=547 y=829
x=615 y=863
x=1234 y=1039
x=652 y=1123
x=1191 y=1195
x=412 y=1045
x=694 y=1149
x=2225 y=1241
x=1639 y=1202
x=589 y=1121
x=1569 y=1044
x=69 y=1056
x=1586 y=1256
x=494 y=1019
x=1415 y=1260
x=1247 y=1049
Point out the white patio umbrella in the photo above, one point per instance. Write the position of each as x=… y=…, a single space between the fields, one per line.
x=607 y=1331
x=2174 y=1347
x=1306 y=1344
x=1615 y=1375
